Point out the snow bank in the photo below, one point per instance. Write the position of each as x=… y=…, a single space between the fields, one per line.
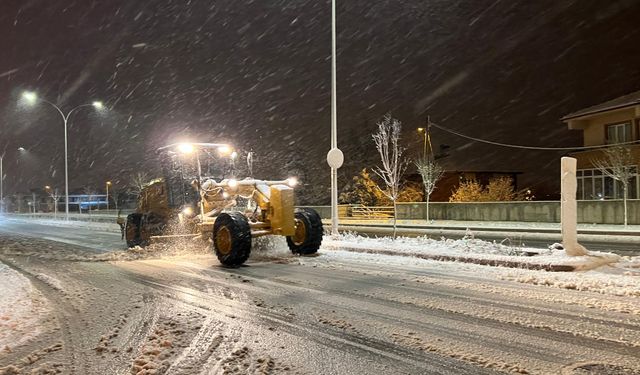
x=22 y=308
x=469 y=249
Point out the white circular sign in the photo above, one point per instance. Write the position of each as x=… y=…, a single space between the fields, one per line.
x=335 y=158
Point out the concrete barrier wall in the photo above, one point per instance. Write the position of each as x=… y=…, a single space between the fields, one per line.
x=590 y=212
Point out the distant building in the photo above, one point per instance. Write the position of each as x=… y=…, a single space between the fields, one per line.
x=84 y=202
x=614 y=121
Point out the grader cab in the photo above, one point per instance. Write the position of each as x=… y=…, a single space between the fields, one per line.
x=199 y=196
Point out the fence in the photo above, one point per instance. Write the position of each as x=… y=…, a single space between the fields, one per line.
x=589 y=212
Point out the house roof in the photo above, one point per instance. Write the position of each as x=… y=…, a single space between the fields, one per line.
x=620 y=102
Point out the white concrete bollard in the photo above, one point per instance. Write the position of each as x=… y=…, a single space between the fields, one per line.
x=569 y=208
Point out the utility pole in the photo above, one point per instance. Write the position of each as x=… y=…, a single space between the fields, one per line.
x=427 y=139
x=335 y=157
x=108 y=183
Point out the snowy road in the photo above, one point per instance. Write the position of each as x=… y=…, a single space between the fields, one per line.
x=338 y=313
x=88 y=238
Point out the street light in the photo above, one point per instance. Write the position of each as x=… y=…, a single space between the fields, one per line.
x=32 y=98
x=427 y=138
x=108 y=184
x=185 y=148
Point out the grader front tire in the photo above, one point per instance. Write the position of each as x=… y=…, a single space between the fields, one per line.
x=232 y=239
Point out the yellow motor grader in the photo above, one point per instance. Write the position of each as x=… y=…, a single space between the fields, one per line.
x=199 y=196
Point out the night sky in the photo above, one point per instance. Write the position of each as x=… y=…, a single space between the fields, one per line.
x=257 y=74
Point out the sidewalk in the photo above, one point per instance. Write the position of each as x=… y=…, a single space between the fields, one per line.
x=512 y=231
x=512 y=226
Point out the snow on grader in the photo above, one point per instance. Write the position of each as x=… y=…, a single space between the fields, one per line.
x=198 y=196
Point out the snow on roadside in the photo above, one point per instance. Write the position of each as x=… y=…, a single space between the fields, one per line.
x=606 y=281
x=467 y=248
x=22 y=309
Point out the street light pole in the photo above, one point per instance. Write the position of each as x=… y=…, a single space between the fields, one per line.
x=32 y=98
x=424 y=152
x=108 y=183
x=427 y=140
x=335 y=158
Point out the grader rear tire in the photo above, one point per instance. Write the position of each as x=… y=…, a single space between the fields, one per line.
x=232 y=239
x=133 y=230
x=308 y=236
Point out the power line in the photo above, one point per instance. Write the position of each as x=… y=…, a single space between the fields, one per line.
x=530 y=147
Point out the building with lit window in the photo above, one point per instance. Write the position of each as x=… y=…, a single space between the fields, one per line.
x=612 y=122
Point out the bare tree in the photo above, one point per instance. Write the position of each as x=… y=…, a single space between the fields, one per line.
x=89 y=191
x=55 y=197
x=138 y=182
x=618 y=164
x=250 y=163
x=431 y=173
x=387 y=141
x=115 y=195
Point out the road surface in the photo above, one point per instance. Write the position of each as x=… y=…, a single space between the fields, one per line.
x=337 y=313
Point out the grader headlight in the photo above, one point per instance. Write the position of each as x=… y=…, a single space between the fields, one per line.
x=292 y=181
x=187 y=211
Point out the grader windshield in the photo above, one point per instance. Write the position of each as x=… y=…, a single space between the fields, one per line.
x=186 y=163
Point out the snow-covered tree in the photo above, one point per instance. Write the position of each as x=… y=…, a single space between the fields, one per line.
x=387 y=140
x=619 y=164
x=431 y=172
x=468 y=191
x=499 y=189
x=55 y=197
x=90 y=191
x=138 y=182
x=364 y=190
x=115 y=194
x=250 y=156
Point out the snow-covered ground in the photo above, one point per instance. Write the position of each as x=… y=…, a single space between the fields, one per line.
x=22 y=309
x=607 y=280
x=171 y=308
x=93 y=225
x=469 y=249
x=618 y=278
